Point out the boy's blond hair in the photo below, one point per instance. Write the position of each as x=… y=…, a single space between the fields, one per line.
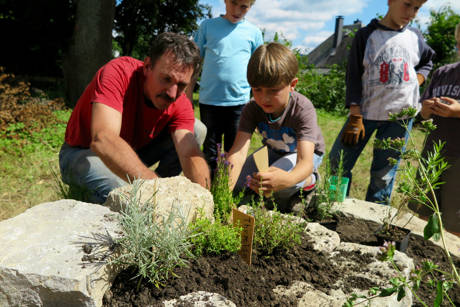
x=272 y=65
x=457 y=33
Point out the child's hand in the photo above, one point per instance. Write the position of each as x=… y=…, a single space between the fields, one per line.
x=446 y=107
x=427 y=108
x=274 y=179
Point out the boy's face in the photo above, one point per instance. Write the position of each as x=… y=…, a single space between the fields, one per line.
x=401 y=12
x=235 y=10
x=273 y=100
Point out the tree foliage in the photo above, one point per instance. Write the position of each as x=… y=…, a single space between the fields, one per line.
x=138 y=22
x=440 y=34
x=36 y=34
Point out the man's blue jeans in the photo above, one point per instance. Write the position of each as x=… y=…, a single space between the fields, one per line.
x=382 y=172
x=83 y=168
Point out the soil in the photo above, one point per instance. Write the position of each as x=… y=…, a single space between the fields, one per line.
x=252 y=285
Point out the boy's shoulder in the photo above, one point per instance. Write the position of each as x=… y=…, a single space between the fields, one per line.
x=448 y=68
x=302 y=102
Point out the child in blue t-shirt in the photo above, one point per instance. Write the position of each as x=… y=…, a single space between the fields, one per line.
x=388 y=61
x=226 y=44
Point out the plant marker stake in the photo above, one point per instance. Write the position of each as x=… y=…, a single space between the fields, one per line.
x=247 y=234
x=261 y=159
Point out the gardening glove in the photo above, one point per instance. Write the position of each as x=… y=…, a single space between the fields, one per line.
x=354 y=130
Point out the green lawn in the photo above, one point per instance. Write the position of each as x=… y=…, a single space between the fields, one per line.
x=28 y=164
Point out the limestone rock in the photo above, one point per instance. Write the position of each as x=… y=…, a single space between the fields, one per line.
x=200 y=299
x=172 y=193
x=41 y=255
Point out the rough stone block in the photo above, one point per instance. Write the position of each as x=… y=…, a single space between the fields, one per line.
x=41 y=255
x=167 y=193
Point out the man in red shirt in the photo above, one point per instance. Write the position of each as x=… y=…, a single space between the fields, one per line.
x=132 y=115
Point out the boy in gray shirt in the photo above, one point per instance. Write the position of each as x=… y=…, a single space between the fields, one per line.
x=288 y=124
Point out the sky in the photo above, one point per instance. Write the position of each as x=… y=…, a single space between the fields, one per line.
x=307 y=23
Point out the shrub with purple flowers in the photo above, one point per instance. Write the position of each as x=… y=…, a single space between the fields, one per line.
x=222 y=195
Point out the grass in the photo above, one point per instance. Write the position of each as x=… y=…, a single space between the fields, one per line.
x=28 y=170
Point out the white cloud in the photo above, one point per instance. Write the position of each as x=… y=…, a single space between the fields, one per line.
x=437 y=4
x=300 y=21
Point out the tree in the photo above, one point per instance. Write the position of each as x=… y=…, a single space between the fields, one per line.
x=35 y=35
x=440 y=34
x=91 y=45
x=138 y=22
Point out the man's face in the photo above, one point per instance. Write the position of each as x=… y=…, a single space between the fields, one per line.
x=235 y=10
x=401 y=12
x=166 y=81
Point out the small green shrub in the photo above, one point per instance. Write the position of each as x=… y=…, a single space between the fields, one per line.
x=221 y=193
x=274 y=232
x=214 y=238
x=326 y=91
x=153 y=247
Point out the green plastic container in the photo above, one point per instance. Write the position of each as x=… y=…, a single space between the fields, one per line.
x=342 y=193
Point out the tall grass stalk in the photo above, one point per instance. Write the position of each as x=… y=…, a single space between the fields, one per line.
x=421 y=178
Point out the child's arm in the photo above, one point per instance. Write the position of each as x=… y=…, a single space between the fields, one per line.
x=425 y=64
x=275 y=179
x=446 y=107
x=237 y=156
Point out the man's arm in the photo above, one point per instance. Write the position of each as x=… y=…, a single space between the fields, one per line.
x=237 y=156
x=191 y=158
x=106 y=142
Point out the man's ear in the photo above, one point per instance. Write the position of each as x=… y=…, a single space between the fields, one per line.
x=147 y=64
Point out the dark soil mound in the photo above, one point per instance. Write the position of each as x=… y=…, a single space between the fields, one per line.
x=252 y=286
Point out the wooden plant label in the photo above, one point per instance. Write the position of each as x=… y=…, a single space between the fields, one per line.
x=261 y=159
x=247 y=222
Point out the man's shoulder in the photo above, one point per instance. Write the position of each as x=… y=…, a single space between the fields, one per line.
x=124 y=64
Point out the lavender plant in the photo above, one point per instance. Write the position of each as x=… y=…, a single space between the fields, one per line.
x=153 y=244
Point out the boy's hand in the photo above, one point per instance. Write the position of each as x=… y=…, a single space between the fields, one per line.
x=274 y=179
x=354 y=130
x=427 y=108
x=446 y=107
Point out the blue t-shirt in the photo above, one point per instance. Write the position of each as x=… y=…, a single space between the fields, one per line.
x=226 y=48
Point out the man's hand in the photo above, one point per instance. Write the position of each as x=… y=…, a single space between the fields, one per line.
x=191 y=158
x=354 y=130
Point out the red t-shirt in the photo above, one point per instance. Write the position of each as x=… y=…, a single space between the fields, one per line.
x=120 y=84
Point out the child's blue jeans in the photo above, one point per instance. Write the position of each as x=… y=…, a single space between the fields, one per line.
x=83 y=168
x=382 y=172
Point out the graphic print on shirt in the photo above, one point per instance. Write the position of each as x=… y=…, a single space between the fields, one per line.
x=282 y=139
x=392 y=65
